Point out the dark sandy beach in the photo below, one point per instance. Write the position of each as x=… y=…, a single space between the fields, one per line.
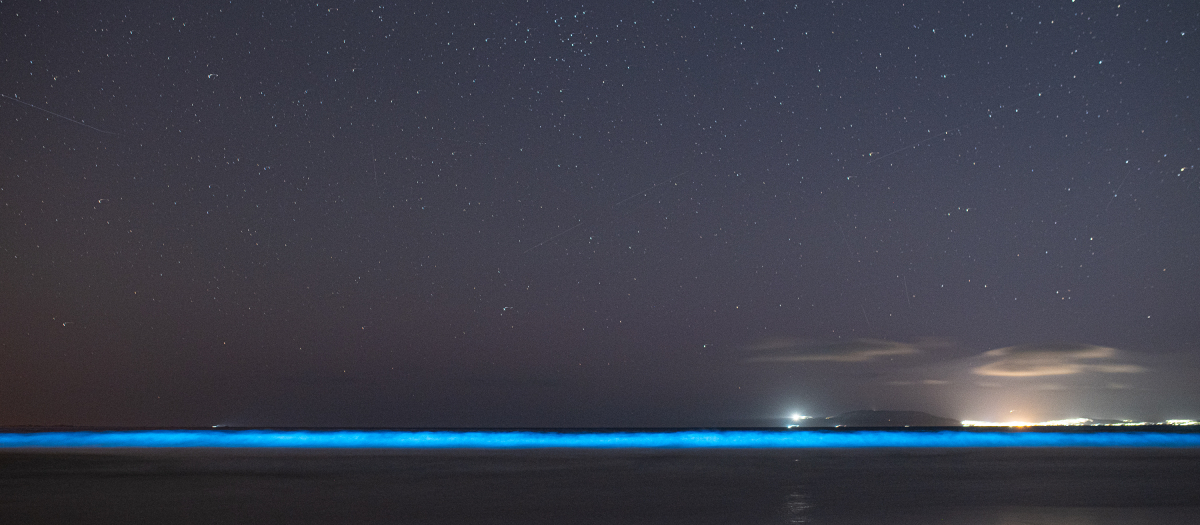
x=1076 y=486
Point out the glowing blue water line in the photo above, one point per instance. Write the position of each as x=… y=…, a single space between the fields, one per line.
x=534 y=440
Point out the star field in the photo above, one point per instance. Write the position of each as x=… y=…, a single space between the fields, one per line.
x=614 y=214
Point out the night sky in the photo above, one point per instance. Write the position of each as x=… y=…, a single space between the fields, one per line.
x=549 y=214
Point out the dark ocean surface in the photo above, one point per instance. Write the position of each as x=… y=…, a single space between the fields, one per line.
x=1002 y=485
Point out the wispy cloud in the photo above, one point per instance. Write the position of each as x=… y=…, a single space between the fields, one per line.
x=781 y=350
x=1054 y=359
x=916 y=383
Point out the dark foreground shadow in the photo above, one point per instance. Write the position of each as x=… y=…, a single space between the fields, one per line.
x=900 y=486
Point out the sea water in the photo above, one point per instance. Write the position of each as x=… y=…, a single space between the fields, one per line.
x=243 y=476
x=592 y=439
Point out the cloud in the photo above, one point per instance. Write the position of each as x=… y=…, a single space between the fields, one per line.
x=1053 y=359
x=781 y=350
x=921 y=382
x=1050 y=387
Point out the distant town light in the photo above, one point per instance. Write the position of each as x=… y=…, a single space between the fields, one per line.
x=970 y=423
x=1078 y=422
x=1074 y=422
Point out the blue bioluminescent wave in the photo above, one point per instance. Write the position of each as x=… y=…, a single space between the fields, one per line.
x=606 y=440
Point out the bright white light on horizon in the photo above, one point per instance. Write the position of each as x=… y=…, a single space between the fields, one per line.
x=796 y=418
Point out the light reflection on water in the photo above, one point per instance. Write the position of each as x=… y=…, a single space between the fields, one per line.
x=1023 y=516
x=610 y=440
x=797 y=508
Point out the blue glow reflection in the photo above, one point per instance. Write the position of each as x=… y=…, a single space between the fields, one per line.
x=527 y=440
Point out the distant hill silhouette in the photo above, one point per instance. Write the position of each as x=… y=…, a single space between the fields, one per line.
x=885 y=418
